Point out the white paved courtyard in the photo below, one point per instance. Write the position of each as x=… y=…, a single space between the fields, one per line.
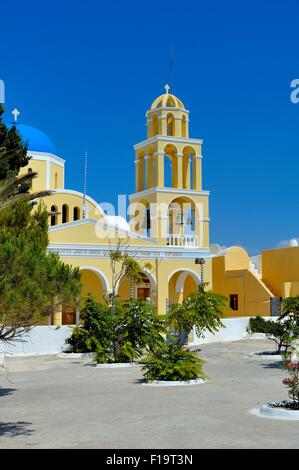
x=47 y=402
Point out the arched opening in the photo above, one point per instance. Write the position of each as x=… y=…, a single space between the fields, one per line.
x=54 y=215
x=140 y=171
x=94 y=282
x=170 y=125
x=65 y=213
x=184 y=127
x=144 y=290
x=76 y=213
x=181 y=216
x=170 y=103
x=188 y=164
x=155 y=125
x=180 y=285
x=168 y=171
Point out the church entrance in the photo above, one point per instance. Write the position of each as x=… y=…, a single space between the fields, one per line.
x=143 y=293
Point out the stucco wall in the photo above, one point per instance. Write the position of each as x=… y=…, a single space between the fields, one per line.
x=40 y=340
x=51 y=339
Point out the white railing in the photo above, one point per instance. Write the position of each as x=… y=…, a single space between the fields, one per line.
x=186 y=241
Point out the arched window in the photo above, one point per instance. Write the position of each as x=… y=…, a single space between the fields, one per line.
x=54 y=215
x=170 y=125
x=65 y=213
x=184 y=127
x=76 y=213
x=191 y=157
x=155 y=125
x=167 y=172
x=148 y=222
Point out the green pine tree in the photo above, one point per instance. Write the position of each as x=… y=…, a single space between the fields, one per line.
x=10 y=139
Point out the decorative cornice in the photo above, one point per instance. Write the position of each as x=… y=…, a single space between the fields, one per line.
x=48 y=157
x=103 y=251
x=162 y=138
x=185 y=192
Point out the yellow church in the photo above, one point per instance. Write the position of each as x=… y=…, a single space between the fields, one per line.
x=167 y=229
x=168 y=224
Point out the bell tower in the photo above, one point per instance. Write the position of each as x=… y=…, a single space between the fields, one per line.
x=168 y=176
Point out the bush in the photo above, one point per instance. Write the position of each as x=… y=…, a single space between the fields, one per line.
x=282 y=331
x=170 y=363
x=119 y=332
x=93 y=334
x=258 y=325
x=201 y=309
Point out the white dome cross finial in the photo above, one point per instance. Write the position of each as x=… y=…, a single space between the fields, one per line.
x=15 y=114
x=167 y=88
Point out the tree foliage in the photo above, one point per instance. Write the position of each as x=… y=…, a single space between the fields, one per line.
x=202 y=310
x=32 y=285
x=119 y=333
x=10 y=140
x=171 y=362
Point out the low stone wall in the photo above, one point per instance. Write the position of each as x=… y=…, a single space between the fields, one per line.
x=235 y=329
x=40 y=340
x=51 y=339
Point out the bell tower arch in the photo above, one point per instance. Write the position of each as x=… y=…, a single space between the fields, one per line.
x=168 y=170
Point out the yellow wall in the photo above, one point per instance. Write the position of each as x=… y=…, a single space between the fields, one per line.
x=280 y=268
x=231 y=276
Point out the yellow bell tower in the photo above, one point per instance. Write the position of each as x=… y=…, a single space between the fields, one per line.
x=168 y=174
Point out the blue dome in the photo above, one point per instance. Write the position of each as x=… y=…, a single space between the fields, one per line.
x=36 y=140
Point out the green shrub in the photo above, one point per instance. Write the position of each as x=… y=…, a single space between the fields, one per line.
x=258 y=325
x=119 y=332
x=170 y=363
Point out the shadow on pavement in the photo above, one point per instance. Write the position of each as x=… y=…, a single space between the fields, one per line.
x=20 y=428
x=6 y=391
x=272 y=365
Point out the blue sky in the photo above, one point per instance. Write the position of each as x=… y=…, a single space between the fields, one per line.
x=86 y=72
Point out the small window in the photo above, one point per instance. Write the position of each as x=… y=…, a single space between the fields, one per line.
x=65 y=213
x=234 y=302
x=56 y=181
x=76 y=213
x=54 y=215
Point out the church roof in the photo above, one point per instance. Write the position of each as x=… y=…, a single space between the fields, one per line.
x=36 y=140
x=167 y=100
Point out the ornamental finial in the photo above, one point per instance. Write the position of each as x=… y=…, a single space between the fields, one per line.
x=167 y=88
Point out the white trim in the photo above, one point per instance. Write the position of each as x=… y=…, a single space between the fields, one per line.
x=153 y=280
x=185 y=192
x=179 y=287
x=169 y=109
x=166 y=138
x=195 y=275
x=140 y=252
x=43 y=156
x=100 y=275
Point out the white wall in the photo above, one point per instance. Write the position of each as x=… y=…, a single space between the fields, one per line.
x=51 y=339
x=236 y=329
x=40 y=340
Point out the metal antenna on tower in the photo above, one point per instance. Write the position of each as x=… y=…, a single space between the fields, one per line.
x=171 y=68
x=85 y=187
